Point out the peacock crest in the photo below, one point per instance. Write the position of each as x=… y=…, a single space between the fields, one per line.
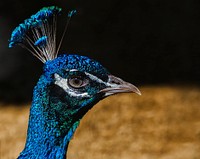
x=37 y=34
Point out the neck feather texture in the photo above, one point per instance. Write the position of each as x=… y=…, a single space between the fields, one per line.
x=51 y=126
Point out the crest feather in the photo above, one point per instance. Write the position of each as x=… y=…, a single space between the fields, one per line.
x=37 y=34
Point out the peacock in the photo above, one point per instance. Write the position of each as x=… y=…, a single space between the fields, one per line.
x=69 y=86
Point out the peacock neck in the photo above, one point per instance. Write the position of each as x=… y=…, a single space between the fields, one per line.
x=51 y=125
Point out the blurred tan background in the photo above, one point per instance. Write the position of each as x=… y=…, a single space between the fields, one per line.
x=163 y=123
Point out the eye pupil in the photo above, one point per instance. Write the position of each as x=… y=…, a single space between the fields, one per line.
x=77 y=81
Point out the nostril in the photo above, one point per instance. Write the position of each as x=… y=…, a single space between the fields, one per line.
x=114 y=80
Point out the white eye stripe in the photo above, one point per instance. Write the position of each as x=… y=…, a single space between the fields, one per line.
x=72 y=70
x=63 y=83
x=95 y=78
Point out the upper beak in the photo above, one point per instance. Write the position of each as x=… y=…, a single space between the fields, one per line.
x=116 y=85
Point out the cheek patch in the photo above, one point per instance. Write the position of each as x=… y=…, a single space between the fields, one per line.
x=63 y=83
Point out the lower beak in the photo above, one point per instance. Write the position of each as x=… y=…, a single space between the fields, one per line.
x=116 y=85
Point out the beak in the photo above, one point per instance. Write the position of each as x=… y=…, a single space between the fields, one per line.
x=116 y=85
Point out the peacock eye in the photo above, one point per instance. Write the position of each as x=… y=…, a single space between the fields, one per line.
x=77 y=82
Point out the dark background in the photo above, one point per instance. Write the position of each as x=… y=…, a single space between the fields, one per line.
x=142 y=41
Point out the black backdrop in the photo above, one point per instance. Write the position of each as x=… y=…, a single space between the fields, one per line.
x=141 y=41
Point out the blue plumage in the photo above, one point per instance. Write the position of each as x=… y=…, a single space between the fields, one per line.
x=35 y=20
x=32 y=33
x=41 y=42
x=46 y=13
x=69 y=86
x=55 y=114
x=17 y=35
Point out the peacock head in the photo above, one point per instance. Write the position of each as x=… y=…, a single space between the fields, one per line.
x=73 y=80
x=81 y=82
x=67 y=76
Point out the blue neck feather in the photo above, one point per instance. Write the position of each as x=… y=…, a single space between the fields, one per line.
x=51 y=125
